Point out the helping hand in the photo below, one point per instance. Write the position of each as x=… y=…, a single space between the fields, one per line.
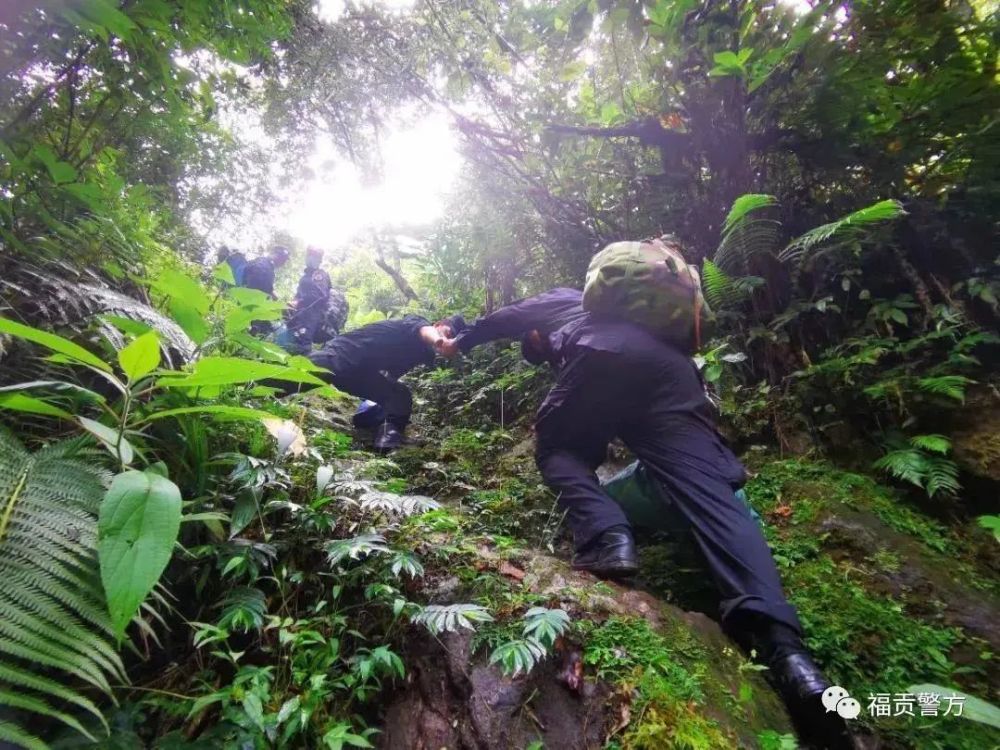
x=446 y=347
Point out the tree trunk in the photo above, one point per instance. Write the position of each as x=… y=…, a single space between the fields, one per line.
x=397 y=277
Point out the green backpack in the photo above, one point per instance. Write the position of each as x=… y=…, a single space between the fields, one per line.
x=649 y=283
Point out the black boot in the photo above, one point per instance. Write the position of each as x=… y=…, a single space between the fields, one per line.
x=387 y=438
x=801 y=684
x=611 y=555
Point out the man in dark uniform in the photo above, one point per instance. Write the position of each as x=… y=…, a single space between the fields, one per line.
x=307 y=310
x=615 y=379
x=368 y=362
x=236 y=260
x=259 y=274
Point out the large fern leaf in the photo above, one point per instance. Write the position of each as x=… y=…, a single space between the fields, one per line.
x=746 y=233
x=828 y=237
x=723 y=291
x=54 y=625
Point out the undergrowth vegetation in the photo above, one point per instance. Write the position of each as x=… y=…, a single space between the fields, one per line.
x=189 y=561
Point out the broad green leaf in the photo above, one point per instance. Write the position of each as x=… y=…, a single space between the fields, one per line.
x=52 y=342
x=127 y=325
x=254 y=709
x=140 y=357
x=106 y=14
x=216 y=410
x=110 y=438
x=137 y=526
x=22 y=403
x=189 y=319
x=992 y=523
x=224 y=273
x=56 y=385
x=973 y=708
x=175 y=284
x=244 y=510
x=59 y=171
x=237 y=371
x=263 y=349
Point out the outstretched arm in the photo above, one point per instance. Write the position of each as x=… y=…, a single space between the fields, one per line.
x=538 y=312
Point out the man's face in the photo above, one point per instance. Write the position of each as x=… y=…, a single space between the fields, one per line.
x=313 y=259
x=444 y=329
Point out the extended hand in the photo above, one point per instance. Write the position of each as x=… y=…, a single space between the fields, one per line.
x=446 y=347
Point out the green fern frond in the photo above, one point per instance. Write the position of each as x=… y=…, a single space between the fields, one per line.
x=439 y=618
x=721 y=290
x=933 y=443
x=745 y=233
x=519 y=656
x=906 y=464
x=54 y=625
x=19 y=738
x=952 y=386
x=840 y=232
x=744 y=206
x=942 y=476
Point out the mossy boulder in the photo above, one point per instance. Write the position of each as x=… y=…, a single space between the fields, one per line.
x=632 y=672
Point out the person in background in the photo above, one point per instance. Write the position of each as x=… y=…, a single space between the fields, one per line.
x=616 y=379
x=368 y=362
x=307 y=310
x=259 y=274
x=236 y=260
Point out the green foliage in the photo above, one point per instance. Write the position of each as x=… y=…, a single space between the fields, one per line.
x=438 y=618
x=923 y=462
x=840 y=233
x=54 y=622
x=992 y=523
x=541 y=628
x=973 y=709
x=518 y=656
x=136 y=529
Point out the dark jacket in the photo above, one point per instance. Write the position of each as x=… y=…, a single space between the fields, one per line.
x=311 y=299
x=392 y=346
x=545 y=313
x=259 y=274
x=558 y=315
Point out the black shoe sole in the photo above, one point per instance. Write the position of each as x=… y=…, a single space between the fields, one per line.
x=620 y=570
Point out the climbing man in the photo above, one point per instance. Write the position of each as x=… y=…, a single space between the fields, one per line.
x=615 y=378
x=307 y=310
x=368 y=362
x=259 y=274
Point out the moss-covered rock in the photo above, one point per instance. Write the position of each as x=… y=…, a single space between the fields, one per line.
x=889 y=598
x=654 y=676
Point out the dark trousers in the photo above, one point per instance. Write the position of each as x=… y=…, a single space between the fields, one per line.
x=394 y=397
x=651 y=396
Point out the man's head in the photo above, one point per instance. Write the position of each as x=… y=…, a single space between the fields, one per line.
x=314 y=256
x=279 y=255
x=223 y=253
x=450 y=327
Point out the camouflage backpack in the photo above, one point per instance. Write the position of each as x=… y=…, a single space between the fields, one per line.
x=649 y=283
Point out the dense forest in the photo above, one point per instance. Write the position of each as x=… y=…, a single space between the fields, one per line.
x=190 y=559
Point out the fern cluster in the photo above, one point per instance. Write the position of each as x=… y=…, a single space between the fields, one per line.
x=55 y=630
x=922 y=461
